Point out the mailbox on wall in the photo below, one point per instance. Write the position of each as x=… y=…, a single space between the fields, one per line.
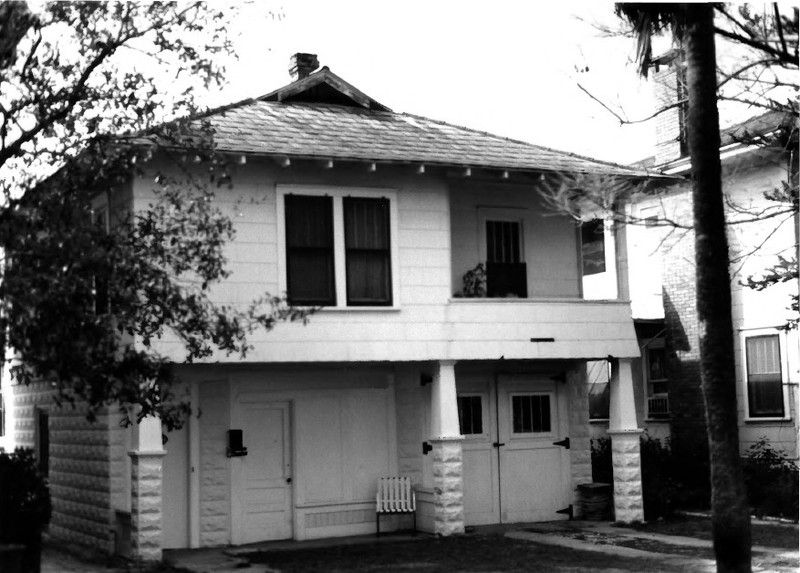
x=235 y=444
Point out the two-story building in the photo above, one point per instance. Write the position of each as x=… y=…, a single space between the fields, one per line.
x=450 y=344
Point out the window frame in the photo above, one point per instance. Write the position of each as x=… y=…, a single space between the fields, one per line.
x=337 y=195
x=744 y=334
x=505 y=215
x=658 y=343
x=552 y=404
x=484 y=435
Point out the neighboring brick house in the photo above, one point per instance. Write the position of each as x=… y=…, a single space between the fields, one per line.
x=661 y=261
x=376 y=217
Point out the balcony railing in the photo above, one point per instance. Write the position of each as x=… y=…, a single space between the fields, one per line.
x=658 y=406
x=506 y=279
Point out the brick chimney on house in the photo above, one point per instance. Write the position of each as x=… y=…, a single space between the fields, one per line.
x=302 y=65
x=669 y=88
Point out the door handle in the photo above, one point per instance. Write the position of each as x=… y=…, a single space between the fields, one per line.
x=498 y=444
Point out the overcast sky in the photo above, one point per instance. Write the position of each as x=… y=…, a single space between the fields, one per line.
x=507 y=67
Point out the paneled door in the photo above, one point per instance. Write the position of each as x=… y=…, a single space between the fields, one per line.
x=264 y=474
x=513 y=469
x=534 y=471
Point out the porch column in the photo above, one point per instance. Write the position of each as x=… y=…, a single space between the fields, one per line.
x=625 y=449
x=146 y=474
x=448 y=483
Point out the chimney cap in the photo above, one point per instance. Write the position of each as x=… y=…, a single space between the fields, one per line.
x=301 y=65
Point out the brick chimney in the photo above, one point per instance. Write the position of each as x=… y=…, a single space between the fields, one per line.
x=669 y=87
x=302 y=65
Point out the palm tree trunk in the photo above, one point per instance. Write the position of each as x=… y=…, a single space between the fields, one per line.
x=730 y=514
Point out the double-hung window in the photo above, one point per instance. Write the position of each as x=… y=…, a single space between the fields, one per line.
x=764 y=376
x=309 y=250
x=338 y=247
x=367 y=252
x=506 y=273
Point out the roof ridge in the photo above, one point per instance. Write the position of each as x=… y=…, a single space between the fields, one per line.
x=520 y=141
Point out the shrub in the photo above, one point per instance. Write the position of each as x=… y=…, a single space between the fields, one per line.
x=772 y=481
x=24 y=503
x=602 y=470
x=660 y=487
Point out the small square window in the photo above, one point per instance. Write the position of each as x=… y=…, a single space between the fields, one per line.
x=470 y=415
x=530 y=413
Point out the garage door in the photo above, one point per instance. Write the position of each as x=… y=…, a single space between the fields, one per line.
x=513 y=469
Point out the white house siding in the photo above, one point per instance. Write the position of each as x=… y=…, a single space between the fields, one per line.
x=756 y=245
x=549 y=241
x=425 y=323
x=342 y=438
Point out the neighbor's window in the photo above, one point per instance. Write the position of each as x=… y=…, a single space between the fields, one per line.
x=657 y=382
x=101 y=300
x=764 y=376
x=470 y=415
x=506 y=273
x=367 y=252
x=530 y=413
x=593 y=247
x=309 y=250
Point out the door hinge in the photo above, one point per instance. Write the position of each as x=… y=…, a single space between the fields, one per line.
x=498 y=444
x=564 y=443
x=566 y=511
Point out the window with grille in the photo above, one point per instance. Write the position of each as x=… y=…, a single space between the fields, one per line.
x=367 y=251
x=657 y=382
x=530 y=413
x=309 y=250
x=764 y=376
x=506 y=272
x=470 y=415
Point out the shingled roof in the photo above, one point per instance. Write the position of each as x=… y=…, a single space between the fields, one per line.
x=322 y=116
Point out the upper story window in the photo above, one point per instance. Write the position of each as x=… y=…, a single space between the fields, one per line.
x=506 y=272
x=101 y=294
x=765 y=395
x=309 y=250
x=339 y=246
x=593 y=247
x=367 y=252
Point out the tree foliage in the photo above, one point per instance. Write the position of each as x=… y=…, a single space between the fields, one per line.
x=91 y=93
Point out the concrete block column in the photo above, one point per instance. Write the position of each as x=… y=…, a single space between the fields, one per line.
x=625 y=447
x=448 y=475
x=146 y=490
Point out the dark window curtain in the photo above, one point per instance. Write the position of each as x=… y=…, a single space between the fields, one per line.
x=309 y=250
x=764 y=380
x=367 y=249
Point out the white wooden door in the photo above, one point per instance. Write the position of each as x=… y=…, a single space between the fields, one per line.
x=533 y=481
x=513 y=472
x=481 y=486
x=265 y=506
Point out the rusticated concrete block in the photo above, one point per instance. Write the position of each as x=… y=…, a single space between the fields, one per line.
x=448 y=498
x=626 y=461
x=146 y=503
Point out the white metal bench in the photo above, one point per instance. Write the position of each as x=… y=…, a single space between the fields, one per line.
x=394 y=496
